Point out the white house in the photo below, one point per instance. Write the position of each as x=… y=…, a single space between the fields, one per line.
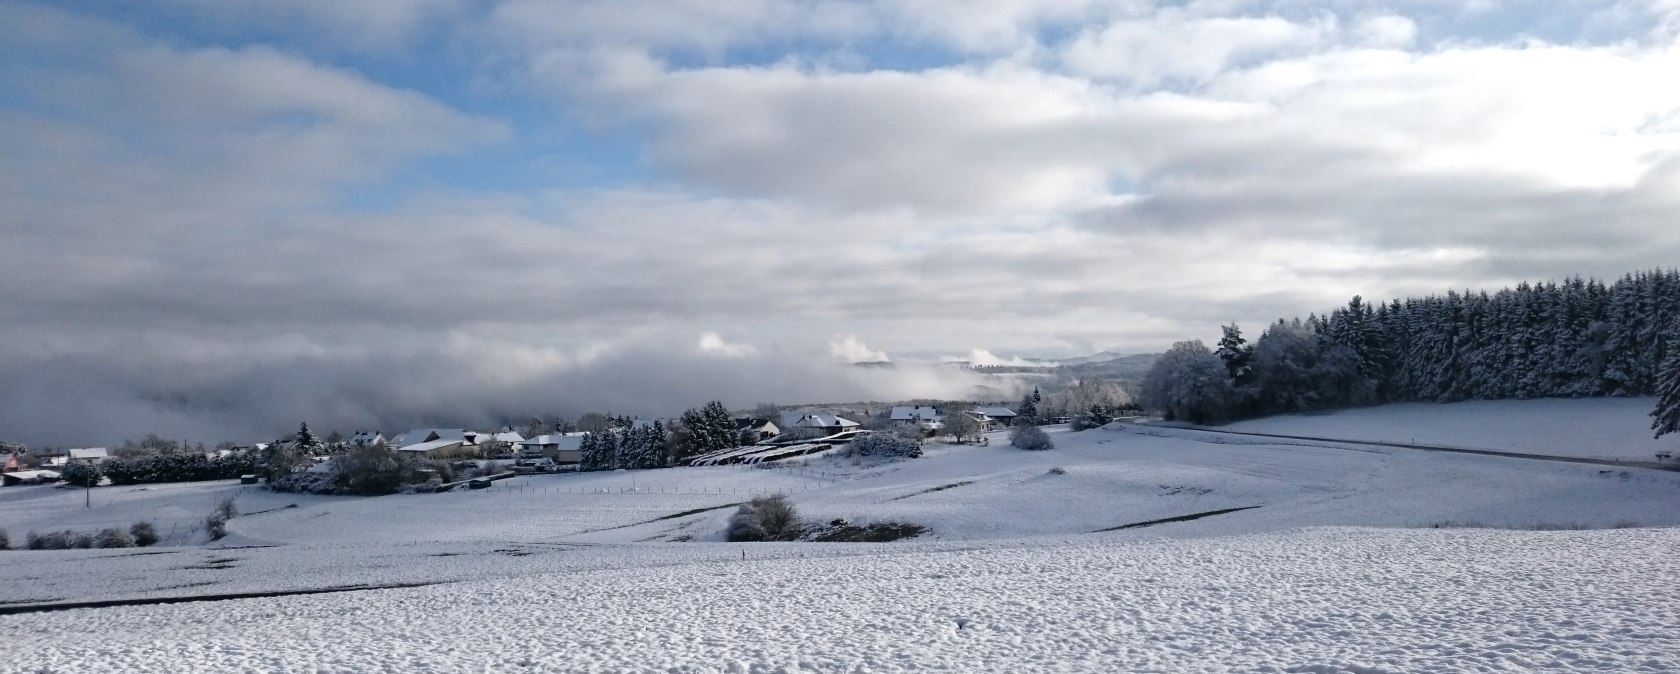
x=922 y=415
x=829 y=424
x=90 y=455
x=762 y=429
x=18 y=477
x=446 y=448
x=997 y=416
x=419 y=435
x=506 y=439
x=563 y=448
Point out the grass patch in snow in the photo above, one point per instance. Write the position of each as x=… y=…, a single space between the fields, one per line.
x=1169 y=520
x=841 y=531
x=931 y=490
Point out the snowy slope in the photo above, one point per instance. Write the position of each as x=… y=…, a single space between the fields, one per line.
x=1326 y=600
x=1611 y=428
x=1335 y=567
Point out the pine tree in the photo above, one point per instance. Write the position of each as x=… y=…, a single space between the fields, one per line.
x=1236 y=353
x=306 y=441
x=1665 y=418
x=589 y=452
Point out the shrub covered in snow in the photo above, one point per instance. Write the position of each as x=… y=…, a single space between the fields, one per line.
x=144 y=534
x=887 y=444
x=113 y=538
x=80 y=474
x=1030 y=437
x=369 y=470
x=305 y=483
x=227 y=509
x=80 y=540
x=180 y=468
x=766 y=518
x=5 y=540
x=1096 y=416
x=216 y=524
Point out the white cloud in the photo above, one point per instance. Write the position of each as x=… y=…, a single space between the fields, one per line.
x=850 y=349
x=1029 y=191
x=1386 y=31
x=983 y=357
x=714 y=345
x=1173 y=46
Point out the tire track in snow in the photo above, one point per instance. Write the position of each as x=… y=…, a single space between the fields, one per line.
x=1442 y=448
x=150 y=601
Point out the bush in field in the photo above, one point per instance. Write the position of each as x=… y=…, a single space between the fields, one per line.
x=226 y=509
x=113 y=538
x=80 y=474
x=144 y=534
x=304 y=483
x=1096 y=416
x=1030 y=437
x=192 y=467
x=887 y=444
x=79 y=540
x=5 y=540
x=766 y=518
x=216 y=526
x=369 y=470
x=445 y=471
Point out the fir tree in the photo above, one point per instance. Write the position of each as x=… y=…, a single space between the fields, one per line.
x=1027 y=413
x=1665 y=418
x=1236 y=353
x=306 y=441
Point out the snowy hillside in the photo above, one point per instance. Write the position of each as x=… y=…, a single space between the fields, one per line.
x=1611 y=428
x=1319 y=558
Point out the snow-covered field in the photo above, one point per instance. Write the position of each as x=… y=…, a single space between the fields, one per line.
x=1608 y=428
x=1333 y=567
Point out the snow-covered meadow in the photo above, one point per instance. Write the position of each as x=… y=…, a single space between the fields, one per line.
x=1335 y=564
x=1606 y=428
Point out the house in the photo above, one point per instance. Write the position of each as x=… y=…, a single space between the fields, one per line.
x=90 y=455
x=367 y=439
x=446 y=448
x=419 y=435
x=997 y=417
x=562 y=448
x=828 y=424
x=18 y=477
x=761 y=429
x=922 y=415
x=505 y=441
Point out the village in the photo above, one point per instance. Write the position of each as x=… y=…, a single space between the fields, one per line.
x=484 y=456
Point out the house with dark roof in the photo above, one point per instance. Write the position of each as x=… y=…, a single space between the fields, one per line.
x=761 y=429
x=995 y=417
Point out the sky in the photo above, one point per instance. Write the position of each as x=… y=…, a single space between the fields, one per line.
x=222 y=217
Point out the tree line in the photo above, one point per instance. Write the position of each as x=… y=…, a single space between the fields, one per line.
x=1577 y=338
